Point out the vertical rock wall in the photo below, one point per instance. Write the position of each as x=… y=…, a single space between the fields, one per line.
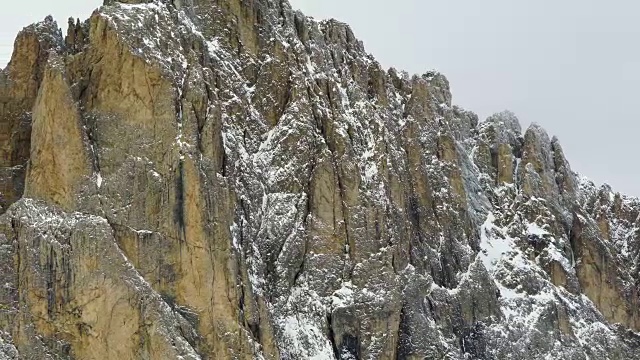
x=234 y=180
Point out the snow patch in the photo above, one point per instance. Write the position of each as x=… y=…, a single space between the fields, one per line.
x=493 y=247
x=535 y=229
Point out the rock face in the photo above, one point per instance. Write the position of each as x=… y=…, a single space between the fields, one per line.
x=233 y=180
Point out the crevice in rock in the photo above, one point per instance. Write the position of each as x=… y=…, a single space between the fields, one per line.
x=403 y=350
x=51 y=284
x=336 y=65
x=200 y=120
x=286 y=101
x=348 y=248
x=302 y=263
x=92 y=136
x=495 y=165
x=574 y=234
x=331 y=336
x=349 y=347
x=223 y=166
x=314 y=112
x=15 y=230
x=245 y=215
x=179 y=209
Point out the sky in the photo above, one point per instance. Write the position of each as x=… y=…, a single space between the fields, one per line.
x=573 y=66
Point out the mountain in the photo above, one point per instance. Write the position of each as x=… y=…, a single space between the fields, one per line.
x=231 y=179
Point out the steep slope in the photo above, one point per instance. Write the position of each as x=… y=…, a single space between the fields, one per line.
x=234 y=180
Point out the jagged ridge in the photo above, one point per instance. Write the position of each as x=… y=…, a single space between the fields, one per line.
x=238 y=181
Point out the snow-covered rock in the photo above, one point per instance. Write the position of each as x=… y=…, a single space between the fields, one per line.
x=235 y=180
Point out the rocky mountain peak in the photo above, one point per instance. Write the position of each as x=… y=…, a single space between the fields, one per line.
x=235 y=180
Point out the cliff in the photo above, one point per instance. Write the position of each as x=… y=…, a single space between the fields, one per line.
x=230 y=179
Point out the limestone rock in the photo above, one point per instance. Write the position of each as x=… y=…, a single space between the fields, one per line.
x=59 y=159
x=234 y=180
x=19 y=84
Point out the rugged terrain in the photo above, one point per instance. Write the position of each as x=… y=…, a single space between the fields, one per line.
x=229 y=179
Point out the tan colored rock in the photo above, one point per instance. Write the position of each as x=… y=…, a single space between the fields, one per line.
x=255 y=186
x=59 y=161
x=505 y=164
x=19 y=84
x=83 y=293
x=599 y=277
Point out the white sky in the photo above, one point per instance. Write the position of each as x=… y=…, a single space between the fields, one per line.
x=19 y=14
x=573 y=65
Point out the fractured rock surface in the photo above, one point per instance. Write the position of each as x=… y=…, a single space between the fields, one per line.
x=231 y=179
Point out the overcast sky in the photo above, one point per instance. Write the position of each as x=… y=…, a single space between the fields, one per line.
x=572 y=66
